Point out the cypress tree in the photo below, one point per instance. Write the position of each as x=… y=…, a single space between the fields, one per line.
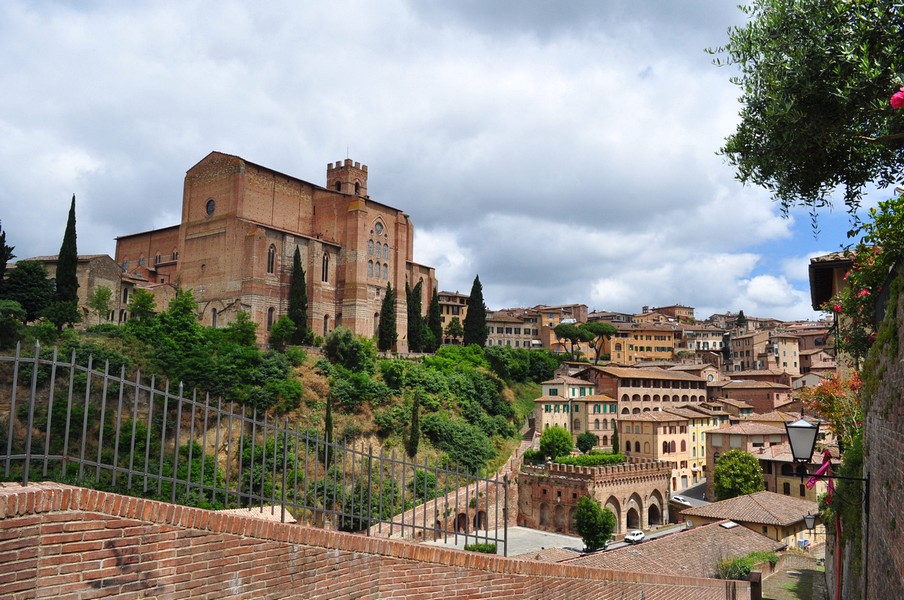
x=6 y=255
x=67 y=262
x=414 y=435
x=435 y=321
x=298 y=300
x=386 y=331
x=615 y=444
x=415 y=319
x=475 y=324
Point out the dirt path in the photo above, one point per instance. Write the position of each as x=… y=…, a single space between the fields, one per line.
x=797 y=584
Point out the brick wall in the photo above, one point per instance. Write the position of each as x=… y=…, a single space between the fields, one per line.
x=884 y=462
x=60 y=540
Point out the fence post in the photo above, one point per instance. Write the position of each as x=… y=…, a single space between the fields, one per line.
x=31 y=414
x=50 y=411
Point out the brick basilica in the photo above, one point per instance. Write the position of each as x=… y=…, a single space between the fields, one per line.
x=241 y=223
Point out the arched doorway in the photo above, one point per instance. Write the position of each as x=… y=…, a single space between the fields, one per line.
x=544 y=515
x=654 y=516
x=560 y=518
x=633 y=518
x=461 y=523
x=613 y=504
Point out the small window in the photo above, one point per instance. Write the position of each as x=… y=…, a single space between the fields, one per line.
x=210 y=207
x=357 y=189
x=125 y=265
x=325 y=268
x=270 y=312
x=271 y=260
x=338 y=186
x=786 y=488
x=157 y=259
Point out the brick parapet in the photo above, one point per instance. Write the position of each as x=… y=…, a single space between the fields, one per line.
x=62 y=540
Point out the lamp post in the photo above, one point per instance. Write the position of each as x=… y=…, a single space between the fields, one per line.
x=802 y=438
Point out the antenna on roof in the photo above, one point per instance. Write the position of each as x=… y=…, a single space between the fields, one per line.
x=346 y=151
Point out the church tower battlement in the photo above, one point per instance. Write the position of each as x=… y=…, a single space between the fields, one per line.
x=347 y=177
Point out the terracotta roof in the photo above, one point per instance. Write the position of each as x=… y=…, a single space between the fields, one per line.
x=751 y=429
x=693 y=553
x=730 y=401
x=567 y=379
x=755 y=384
x=690 y=413
x=775 y=416
x=629 y=373
x=653 y=415
x=763 y=508
x=549 y=555
x=741 y=374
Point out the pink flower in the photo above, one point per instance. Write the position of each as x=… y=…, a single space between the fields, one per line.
x=837 y=308
x=846 y=275
x=897 y=100
x=872 y=337
x=863 y=292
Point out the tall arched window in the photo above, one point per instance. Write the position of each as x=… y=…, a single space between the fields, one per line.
x=325 y=271
x=326 y=325
x=357 y=188
x=270 y=312
x=338 y=186
x=370 y=247
x=627 y=446
x=665 y=447
x=213 y=318
x=683 y=446
x=386 y=251
x=637 y=447
x=271 y=259
x=370 y=268
x=385 y=271
x=672 y=446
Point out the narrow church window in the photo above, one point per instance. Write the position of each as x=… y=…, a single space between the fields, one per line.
x=370 y=247
x=125 y=265
x=357 y=189
x=270 y=312
x=338 y=186
x=157 y=259
x=325 y=274
x=213 y=318
x=326 y=325
x=271 y=259
x=370 y=268
x=386 y=251
x=385 y=271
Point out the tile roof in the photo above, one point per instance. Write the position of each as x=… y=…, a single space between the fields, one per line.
x=549 y=555
x=763 y=508
x=566 y=379
x=630 y=373
x=748 y=384
x=752 y=429
x=776 y=416
x=695 y=552
x=653 y=415
x=731 y=402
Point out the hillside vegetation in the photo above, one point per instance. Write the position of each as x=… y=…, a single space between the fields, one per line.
x=471 y=401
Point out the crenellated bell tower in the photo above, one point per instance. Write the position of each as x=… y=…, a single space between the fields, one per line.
x=347 y=177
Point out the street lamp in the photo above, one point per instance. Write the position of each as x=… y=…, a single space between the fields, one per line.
x=802 y=438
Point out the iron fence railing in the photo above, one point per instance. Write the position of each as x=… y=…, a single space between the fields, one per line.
x=69 y=422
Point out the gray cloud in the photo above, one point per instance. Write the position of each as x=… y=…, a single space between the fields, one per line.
x=566 y=152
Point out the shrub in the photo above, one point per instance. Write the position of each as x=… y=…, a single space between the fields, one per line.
x=481 y=547
x=555 y=442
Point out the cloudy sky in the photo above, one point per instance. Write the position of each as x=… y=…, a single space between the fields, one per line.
x=564 y=151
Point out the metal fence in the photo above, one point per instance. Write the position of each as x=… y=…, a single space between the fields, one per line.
x=72 y=423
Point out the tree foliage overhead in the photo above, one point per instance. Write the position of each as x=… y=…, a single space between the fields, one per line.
x=737 y=473
x=816 y=77
x=475 y=325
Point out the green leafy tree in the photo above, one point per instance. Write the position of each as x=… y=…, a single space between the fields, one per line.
x=454 y=329
x=600 y=332
x=100 y=301
x=281 y=333
x=593 y=523
x=67 y=262
x=62 y=313
x=142 y=305
x=555 y=442
x=815 y=79
x=574 y=335
x=298 y=301
x=435 y=322
x=28 y=285
x=737 y=473
x=414 y=431
x=11 y=316
x=415 y=319
x=6 y=255
x=344 y=348
x=475 y=325
x=586 y=442
x=386 y=330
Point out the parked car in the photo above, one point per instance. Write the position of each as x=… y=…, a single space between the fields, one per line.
x=635 y=537
x=681 y=500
